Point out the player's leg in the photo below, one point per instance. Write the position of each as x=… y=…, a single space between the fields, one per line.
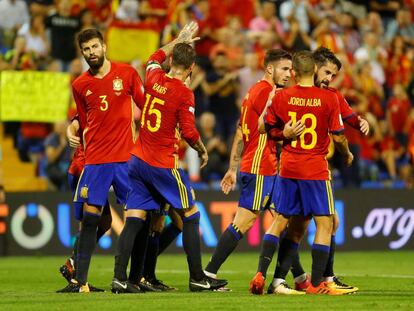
x=92 y=189
x=319 y=202
x=296 y=231
x=288 y=253
x=230 y=238
x=167 y=234
x=329 y=275
x=149 y=281
x=283 y=197
x=170 y=231
x=138 y=255
x=139 y=202
x=255 y=195
x=67 y=270
x=174 y=187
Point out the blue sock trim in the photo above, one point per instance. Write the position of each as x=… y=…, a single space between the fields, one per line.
x=235 y=233
x=271 y=238
x=290 y=244
x=194 y=216
x=320 y=247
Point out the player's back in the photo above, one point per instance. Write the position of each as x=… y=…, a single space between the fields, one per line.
x=157 y=142
x=258 y=156
x=318 y=109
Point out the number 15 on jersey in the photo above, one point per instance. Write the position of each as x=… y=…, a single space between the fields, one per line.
x=152 y=111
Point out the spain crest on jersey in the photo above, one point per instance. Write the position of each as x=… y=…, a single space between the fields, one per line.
x=117 y=84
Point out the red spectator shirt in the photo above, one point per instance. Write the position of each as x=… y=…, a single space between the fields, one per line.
x=399 y=110
x=168 y=112
x=305 y=158
x=257 y=157
x=105 y=107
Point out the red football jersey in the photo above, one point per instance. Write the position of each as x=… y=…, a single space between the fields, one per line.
x=78 y=162
x=318 y=109
x=168 y=112
x=257 y=157
x=344 y=108
x=105 y=107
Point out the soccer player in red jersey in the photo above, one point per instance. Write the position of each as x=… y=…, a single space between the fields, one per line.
x=104 y=97
x=328 y=66
x=153 y=168
x=75 y=170
x=255 y=154
x=304 y=186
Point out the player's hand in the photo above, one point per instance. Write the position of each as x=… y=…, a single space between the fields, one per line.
x=349 y=159
x=73 y=138
x=188 y=32
x=363 y=126
x=203 y=159
x=291 y=132
x=228 y=183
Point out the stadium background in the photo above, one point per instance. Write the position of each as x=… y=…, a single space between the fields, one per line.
x=39 y=58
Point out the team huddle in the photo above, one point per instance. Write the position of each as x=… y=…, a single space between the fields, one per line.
x=144 y=173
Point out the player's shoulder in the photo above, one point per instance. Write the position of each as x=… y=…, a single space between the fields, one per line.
x=122 y=67
x=260 y=87
x=80 y=81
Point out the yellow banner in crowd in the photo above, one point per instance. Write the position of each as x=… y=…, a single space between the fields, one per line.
x=34 y=96
x=126 y=44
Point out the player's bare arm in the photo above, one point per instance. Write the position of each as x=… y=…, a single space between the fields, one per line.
x=72 y=134
x=228 y=182
x=341 y=143
x=202 y=152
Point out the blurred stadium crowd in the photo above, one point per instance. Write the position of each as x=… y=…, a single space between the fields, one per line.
x=373 y=39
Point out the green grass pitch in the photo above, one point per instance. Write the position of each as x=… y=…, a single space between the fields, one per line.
x=385 y=279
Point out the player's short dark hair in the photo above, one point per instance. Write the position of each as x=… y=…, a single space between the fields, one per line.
x=274 y=55
x=303 y=63
x=89 y=34
x=183 y=55
x=324 y=55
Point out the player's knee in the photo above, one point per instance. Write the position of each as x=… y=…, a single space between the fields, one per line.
x=244 y=224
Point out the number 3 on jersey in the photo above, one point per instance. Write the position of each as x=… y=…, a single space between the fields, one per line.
x=151 y=111
x=308 y=130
